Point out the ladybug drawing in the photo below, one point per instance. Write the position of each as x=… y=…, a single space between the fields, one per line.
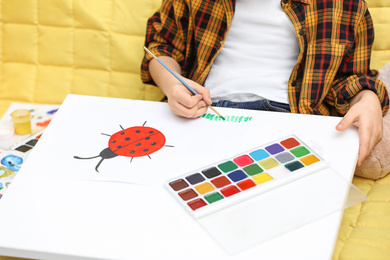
x=136 y=141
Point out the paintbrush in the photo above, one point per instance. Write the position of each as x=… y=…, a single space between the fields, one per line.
x=181 y=80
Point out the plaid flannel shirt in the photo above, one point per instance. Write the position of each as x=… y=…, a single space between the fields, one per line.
x=335 y=38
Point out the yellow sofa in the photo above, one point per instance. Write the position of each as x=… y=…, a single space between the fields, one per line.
x=50 y=48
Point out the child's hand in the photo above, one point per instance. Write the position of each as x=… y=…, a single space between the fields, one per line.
x=185 y=104
x=365 y=113
x=182 y=102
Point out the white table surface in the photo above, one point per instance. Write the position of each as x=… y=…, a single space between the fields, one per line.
x=64 y=218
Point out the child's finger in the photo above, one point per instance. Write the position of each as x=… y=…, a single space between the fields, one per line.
x=345 y=122
x=193 y=112
x=205 y=95
x=368 y=139
x=190 y=101
x=200 y=111
x=364 y=147
x=189 y=108
x=201 y=90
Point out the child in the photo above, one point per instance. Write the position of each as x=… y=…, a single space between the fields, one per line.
x=299 y=56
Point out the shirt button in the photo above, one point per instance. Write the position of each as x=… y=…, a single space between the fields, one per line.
x=293 y=83
x=301 y=32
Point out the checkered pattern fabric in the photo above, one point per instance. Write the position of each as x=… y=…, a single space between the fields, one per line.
x=332 y=67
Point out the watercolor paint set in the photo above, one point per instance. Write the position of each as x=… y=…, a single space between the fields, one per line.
x=257 y=195
x=245 y=175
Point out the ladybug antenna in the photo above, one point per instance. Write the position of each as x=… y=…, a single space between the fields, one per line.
x=144 y=123
x=110 y=135
x=106 y=153
x=77 y=157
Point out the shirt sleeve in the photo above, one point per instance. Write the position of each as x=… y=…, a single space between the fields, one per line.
x=355 y=74
x=165 y=35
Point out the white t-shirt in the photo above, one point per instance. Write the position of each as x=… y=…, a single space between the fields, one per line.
x=258 y=55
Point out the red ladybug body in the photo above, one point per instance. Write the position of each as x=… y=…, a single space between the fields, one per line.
x=136 y=141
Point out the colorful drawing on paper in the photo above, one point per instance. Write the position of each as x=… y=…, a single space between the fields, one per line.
x=12 y=163
x=235 y=119
x=4 y=172
x=136 y=141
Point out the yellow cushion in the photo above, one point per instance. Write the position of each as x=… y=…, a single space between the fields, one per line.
x=52 y=48
x=365 y=229
x=380 y=13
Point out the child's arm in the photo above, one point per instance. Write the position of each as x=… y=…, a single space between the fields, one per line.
x=361 y=97
x=354 y=74
x=365 y=113
x=182 y=102
x=167 y=39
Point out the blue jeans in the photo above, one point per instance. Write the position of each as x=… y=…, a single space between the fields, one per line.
x=263 y=104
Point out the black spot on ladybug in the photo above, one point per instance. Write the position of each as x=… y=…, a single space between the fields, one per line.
x=138 y=131
x=154 y=143
x=127 y=138
x=113 y=141
x=147 y=138
x=122 y=133
x=138 y=144
x=145 y=150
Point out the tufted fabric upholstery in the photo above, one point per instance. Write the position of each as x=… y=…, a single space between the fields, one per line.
x=380 y=12
x=54 y=47
x=365 y=228
x=49 y=48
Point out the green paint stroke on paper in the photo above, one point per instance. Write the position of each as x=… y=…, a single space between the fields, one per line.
x=237 y=119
